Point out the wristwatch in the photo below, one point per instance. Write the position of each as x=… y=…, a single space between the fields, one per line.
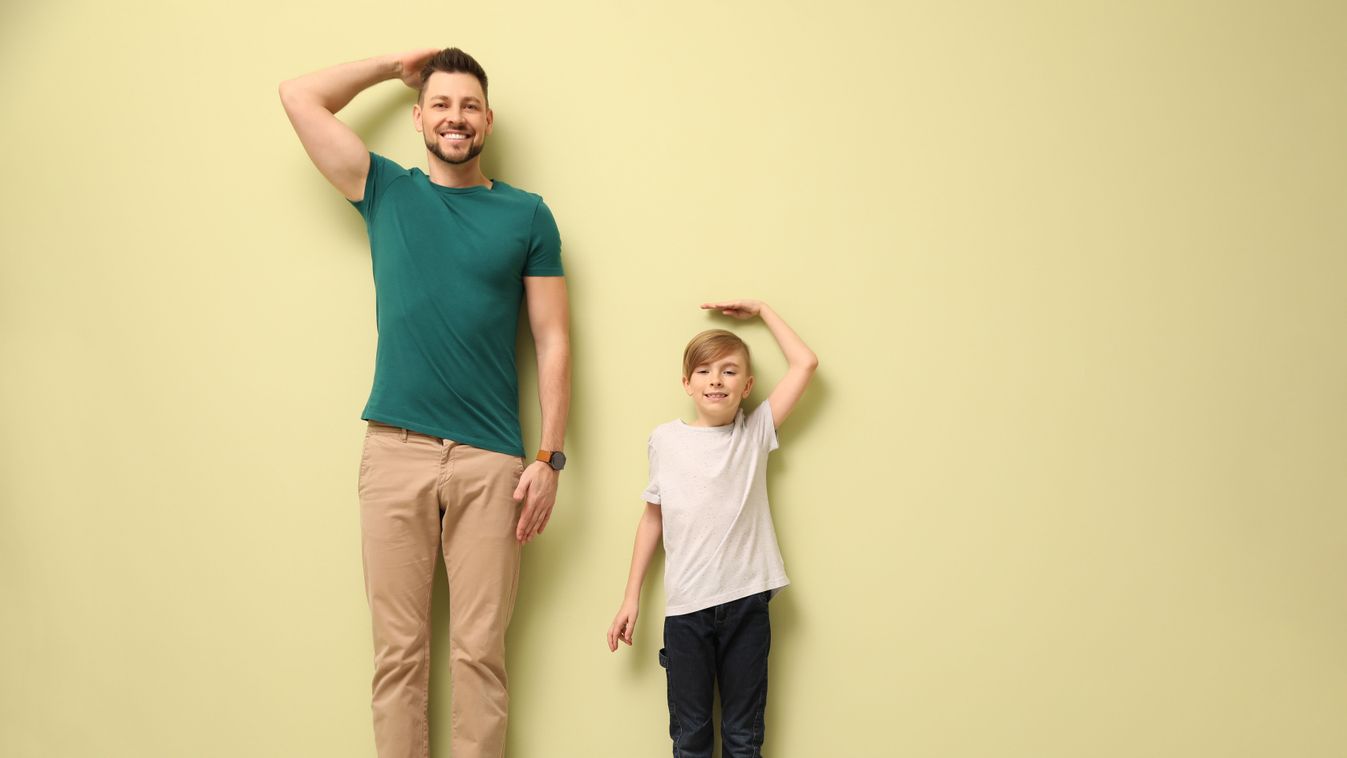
x=554 y=458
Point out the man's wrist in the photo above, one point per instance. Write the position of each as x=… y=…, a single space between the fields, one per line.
x=555 y=459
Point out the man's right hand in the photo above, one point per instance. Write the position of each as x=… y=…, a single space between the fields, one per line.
x=411 y=63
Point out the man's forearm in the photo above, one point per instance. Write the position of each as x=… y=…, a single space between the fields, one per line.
x=554 y=391
x=332 y=88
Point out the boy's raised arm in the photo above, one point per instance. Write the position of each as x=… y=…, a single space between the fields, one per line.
x=312 y=101
x=800 y=360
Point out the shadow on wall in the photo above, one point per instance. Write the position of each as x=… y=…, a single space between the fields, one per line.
x=786 y=619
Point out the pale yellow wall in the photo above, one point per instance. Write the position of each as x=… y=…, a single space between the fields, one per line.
x=1070 y=482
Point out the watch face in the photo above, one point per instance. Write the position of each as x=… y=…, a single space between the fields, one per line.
x=558 y=461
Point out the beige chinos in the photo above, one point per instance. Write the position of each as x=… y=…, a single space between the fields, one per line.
x=420 y=494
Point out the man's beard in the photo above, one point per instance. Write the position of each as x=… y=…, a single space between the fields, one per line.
x=433 y=145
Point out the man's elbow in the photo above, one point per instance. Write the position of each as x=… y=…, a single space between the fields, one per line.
x=553 y=343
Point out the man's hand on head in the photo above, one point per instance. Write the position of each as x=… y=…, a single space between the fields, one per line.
x=411 y=63
x=538 y=491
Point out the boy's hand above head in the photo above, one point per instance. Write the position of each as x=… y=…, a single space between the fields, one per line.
x=740 y=309
x=800 y=360
x=623 y=627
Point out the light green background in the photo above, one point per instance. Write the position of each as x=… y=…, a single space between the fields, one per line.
x=1070 y=481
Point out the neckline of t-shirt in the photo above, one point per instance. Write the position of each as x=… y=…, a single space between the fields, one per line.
x=495 y=185
x=722 y=428
x=465 y=190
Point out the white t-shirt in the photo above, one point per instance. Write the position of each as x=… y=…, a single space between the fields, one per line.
x=711 y=485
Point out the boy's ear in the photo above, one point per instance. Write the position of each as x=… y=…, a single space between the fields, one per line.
x=748 y=387
x=687 y=386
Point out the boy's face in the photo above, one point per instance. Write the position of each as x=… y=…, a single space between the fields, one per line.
x=717 y=388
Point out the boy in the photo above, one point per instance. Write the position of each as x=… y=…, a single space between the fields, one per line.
x=707 y=500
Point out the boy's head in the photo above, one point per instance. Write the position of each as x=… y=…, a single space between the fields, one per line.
x=717 y=374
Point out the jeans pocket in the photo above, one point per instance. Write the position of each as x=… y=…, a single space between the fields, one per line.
x=675 y=732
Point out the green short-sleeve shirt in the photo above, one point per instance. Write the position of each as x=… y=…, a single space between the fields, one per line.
x=449 y=267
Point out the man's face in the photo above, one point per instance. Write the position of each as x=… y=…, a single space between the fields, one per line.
x=452 y=116
x=717 y=388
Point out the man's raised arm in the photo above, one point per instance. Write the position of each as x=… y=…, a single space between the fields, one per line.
x=312 y=101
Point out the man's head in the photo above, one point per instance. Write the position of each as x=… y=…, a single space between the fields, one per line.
x=717 y=373
x=451 y=60
x=451 y=111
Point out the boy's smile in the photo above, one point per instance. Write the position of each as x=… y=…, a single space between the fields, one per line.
x=717 y=388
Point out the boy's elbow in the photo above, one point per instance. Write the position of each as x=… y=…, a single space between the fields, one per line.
x=290 y=92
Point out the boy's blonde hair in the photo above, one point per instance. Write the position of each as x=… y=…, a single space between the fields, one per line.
x=711 y=345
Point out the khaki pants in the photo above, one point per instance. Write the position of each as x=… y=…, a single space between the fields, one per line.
x=420 y=494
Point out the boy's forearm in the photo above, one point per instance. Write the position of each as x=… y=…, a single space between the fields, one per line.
x=798 y=354
x=648 y=536
x=332 y=88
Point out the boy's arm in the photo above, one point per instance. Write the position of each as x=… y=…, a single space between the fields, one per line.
x=649 y=534
x=312 y=101
x=800 y=360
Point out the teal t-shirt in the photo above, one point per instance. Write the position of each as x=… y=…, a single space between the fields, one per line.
x=449 y=268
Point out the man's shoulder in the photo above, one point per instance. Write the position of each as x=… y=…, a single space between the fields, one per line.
x=389 y=167
x=505 y=189
x=517 y=197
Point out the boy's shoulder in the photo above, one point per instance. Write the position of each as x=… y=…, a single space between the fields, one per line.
x=665 y=430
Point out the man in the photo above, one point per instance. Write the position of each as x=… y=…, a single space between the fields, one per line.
x=442 y=469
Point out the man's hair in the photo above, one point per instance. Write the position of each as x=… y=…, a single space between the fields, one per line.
x=712 y=345
x=451 y=60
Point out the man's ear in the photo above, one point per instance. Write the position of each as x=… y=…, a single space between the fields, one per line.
x=490 y=120
x=416 y=117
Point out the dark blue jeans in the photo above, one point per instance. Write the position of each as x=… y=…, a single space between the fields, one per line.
x=724 y=646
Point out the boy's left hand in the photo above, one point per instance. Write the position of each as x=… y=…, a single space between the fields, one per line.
x=740 y=309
